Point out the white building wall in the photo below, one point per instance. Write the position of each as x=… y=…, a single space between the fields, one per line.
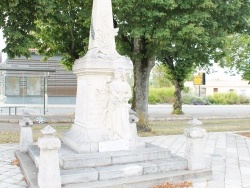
x=224 y=81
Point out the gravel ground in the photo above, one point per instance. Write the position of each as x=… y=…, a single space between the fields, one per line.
x=9 y=127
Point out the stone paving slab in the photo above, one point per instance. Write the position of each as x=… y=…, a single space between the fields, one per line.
x=10 y=174
x=227 y=154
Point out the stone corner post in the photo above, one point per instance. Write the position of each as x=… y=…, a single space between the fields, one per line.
x=194 y=152
x=49 y=170
x=26 y=136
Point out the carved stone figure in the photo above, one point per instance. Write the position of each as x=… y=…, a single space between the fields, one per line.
x=117 y=114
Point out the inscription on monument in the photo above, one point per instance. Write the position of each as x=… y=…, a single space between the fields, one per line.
x=97 y=103
x=115 y=145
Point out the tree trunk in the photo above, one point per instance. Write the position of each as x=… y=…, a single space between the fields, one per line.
x=142 y=70
x=177 y=106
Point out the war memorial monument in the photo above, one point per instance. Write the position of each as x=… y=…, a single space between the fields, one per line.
x=102 y=148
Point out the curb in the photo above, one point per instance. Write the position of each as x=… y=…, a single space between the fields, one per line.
x=70 y=119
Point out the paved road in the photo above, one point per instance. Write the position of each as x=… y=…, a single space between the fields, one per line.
x=203 y=110
x=156 y=111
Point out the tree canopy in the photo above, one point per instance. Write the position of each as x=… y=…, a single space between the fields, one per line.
x=238 y=54
x=180 y=34
x=52 y=27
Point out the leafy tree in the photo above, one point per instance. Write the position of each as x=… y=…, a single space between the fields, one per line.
x=238 y=54
x=159 y=77
x=64 y=29
x=193 y=34
x=17 y=20
x=180 y=34
x=53 y=27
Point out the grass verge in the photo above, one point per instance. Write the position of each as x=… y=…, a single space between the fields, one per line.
x=157 y=128
x=14 y=136
x=212 y=125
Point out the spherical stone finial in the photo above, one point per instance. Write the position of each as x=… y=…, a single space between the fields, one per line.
x=48 y=130
x=194 y=132
x=25 y=120
x=194 y=122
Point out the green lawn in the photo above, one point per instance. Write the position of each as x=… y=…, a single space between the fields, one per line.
x=177 y=127
x=158 y=128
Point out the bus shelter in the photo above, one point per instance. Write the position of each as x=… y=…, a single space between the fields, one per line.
x=36 y=80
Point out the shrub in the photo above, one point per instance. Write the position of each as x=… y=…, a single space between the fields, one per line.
x=161 y=95
x=187 y=99
x=227 y=98
x=200 y=100
x=244 y=99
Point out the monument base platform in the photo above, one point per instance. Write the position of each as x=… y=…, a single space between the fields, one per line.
x=76 y=138
x=138 y=167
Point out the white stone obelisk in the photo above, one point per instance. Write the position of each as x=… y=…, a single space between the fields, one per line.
x=102 y=32
x=95 y=72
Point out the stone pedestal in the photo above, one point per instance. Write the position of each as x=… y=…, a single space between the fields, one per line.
x=194 y=153
x=94 y=76
x=102 y=111
x=49 y=171
x=26 y=136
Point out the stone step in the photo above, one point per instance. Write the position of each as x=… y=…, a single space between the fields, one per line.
x=141 y=174
x=70 y=159
x=148 y=180
x=80 y=175
x=34 y=152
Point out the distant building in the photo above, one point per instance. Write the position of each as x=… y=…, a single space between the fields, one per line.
x=221 y=81
x=61 y=83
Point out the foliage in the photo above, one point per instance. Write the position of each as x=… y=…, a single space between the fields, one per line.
x=187 y=98
x=64 y=29
x=180 y=34
x=191 y=99
x=238 y=56
x=17 y=19
x=228 y=98
x=159 y=77
x=217 y=98
x=137 y=21
x=161 y=95
x=52 y=27
x=200 y=101
x=137 y=27
x=193 y=33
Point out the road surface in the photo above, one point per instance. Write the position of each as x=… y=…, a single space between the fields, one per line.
x=203 y=110
x=161 y=110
